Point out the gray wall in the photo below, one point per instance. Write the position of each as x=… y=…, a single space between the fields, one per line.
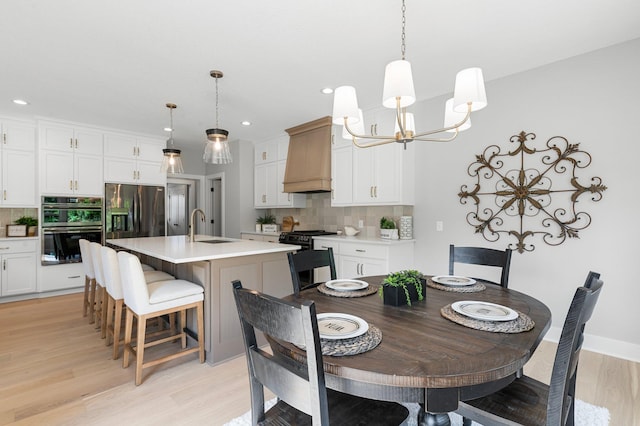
x=590 y=99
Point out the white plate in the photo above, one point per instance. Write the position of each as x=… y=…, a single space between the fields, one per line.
x=453 y=280
x=484 y=310
x=334 y=326
x=346 y=285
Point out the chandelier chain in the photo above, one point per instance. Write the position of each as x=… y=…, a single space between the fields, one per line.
x=403 y=47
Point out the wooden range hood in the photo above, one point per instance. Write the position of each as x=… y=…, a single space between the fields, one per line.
x=308 y=166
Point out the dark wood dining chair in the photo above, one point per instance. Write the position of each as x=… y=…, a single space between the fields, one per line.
x=527 y=401
x=302 y=394
x=482 y=256
x=303 y=264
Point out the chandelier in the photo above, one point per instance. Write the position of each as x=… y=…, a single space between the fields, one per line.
x=171 y=162
x=217 y=149
x=398 y=93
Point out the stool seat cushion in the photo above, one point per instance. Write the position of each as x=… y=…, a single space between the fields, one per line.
x=146 y=267
x=164 y=291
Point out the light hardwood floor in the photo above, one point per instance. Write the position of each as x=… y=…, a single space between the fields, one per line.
x=55 y=370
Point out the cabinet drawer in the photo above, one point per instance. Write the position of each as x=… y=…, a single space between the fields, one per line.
x=363 y=250
x=23 y=246
x=324 y=244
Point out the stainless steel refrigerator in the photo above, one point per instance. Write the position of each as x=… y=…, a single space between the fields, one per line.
x=133 y=211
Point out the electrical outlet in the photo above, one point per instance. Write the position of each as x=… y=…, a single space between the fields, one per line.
x=361 y=223
x=439 y=226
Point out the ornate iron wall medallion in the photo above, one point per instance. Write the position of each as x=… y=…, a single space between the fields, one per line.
x=529 y=192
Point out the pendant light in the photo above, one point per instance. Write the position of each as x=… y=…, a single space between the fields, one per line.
x=171 y=163
x=217 y=149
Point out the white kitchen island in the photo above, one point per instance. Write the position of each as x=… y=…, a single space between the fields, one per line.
x=214 y=263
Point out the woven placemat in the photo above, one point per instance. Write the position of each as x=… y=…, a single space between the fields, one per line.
x=371 y=289
x=353 y=346
x=518 y=325
x=466 y=289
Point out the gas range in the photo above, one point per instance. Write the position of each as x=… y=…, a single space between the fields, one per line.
x=302 y=238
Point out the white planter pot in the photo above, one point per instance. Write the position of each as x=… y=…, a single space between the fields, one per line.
x=258 y=227
x=389 y=234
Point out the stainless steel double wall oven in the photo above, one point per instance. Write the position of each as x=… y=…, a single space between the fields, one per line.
x=66 y=220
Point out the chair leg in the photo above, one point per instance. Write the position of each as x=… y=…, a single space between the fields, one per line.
x=104 y=312
x=142 y=325
x=200 y=315
x=85 y=299
x=109 y=320
x=183 y=325
x=116 y=328
x=92 y=301
x=128 y=330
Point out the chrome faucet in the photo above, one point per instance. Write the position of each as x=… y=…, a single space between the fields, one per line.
x=192 y=227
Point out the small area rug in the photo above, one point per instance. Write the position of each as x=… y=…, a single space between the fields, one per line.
x=586 y=415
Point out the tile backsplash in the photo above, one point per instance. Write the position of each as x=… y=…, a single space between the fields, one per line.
x=320 y=215
x=9 y=216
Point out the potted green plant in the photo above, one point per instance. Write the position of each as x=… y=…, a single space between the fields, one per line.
x=30 y=222
x=388 y=229
x=403 y=287
x=265 y=219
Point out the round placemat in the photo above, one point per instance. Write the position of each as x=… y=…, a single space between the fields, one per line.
x=464 y=289
x=371 y=289
x=353 y=346
x=518 y=325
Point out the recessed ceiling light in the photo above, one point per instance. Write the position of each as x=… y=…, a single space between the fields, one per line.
x=20 y=102
x=167 y=129
x=327 y=90
x=246 y=123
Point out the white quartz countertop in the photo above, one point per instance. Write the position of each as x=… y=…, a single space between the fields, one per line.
x=178 y=249
x=356 y=239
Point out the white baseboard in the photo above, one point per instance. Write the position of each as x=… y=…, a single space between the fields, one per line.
x=603 y=345
x=21 y=297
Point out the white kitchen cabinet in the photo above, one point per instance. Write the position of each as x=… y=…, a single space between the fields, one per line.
x=269 y=238
x=270 y=163
x=18 y=160
x=18 y=262
x=381 y=175
x=132 y=159
x=61 y=277
x=357 y=257
x=70 y=160
x=71 y=174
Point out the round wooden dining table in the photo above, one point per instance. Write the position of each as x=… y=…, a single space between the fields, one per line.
x=424 y=357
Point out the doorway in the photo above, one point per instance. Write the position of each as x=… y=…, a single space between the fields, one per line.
x=181 y=199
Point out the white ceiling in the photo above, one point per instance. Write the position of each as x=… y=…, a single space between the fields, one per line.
x=117 y=63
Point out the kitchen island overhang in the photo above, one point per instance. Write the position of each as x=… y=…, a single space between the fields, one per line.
x=259 y=265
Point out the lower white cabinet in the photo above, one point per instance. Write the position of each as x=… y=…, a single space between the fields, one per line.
x=18 y=261
x=361 y=257
x=260 y=237
x=61 y=277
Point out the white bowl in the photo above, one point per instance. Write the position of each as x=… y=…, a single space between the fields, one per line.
x=350 y=231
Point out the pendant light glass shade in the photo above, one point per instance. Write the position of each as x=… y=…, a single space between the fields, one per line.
x=217 y=149
x=171 y=162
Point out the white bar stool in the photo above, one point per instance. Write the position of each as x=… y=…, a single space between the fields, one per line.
x=156 y=299
x=89 y=281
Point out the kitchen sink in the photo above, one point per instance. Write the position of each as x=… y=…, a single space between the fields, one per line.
x=214 y=241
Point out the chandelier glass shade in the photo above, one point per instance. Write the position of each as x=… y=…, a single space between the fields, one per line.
x=171 y=161
x=398 y=93
x=216 y=150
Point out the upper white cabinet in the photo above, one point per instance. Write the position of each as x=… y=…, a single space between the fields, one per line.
x=270 y=162
x=132 y=159
x=70 y=159
x=380 y=175
x=17 y=157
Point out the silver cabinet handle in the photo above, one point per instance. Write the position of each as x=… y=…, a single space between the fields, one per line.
x=361 y=250
x=76 y=185
x=71 y=143
x=71 y=185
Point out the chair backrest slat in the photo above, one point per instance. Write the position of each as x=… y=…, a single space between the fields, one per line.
x=563 y=376
x=307 y=261
x=482 y=256
x=294 y=323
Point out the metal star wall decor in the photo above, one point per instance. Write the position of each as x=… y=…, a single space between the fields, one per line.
x=538 y=196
